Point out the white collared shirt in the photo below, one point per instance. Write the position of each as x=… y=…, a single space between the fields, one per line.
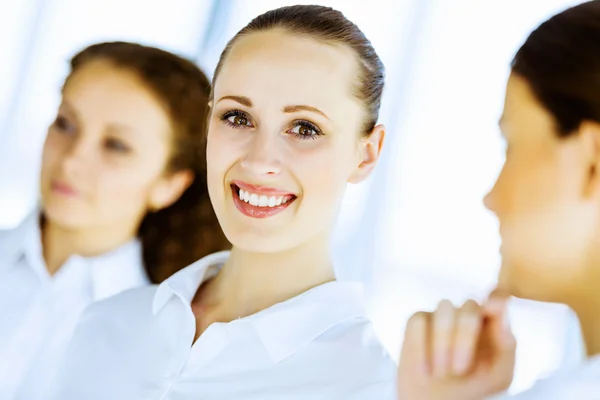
x=39 y=312
x=138 y=346
x=583 y=383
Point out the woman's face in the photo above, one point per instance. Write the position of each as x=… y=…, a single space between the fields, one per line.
x=546 y=200
x=105 y=154
x=284 y=140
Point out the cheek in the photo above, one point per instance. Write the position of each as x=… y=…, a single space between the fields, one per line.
x=124 y=188
x=324 y=171
x=531 y=185
x=52 y=154
x=543 y=226
x=52 y=150
x=221 y=155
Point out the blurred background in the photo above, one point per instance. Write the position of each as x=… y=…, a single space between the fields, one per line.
x=417 y=231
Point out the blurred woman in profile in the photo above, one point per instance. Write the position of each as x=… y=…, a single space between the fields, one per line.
x=124 y=202
x=547 y=199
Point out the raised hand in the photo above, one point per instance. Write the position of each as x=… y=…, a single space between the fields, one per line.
x=465 y=353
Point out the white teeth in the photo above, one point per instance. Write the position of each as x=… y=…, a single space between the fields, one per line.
x=262 y=200
x=253 y=199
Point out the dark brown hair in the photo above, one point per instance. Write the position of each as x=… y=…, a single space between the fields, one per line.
x=176 y=236
x=561 y=62
x=329 y=26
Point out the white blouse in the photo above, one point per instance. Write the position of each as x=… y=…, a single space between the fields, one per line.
x=39 y=312
x=138 y=346
x=581 y=384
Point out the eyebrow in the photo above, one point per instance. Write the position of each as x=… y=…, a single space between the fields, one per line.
x=122 y=128
x=111 y=127
x=65 y=105
x=293 y=109
x=245 y=101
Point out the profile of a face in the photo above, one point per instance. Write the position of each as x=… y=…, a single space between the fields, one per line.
x=547 y=200
x=284 y=139
x=105 y=155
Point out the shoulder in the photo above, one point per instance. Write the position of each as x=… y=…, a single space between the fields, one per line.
x=582 y=383
x=364 y=364
x=135 y=302
x=13 y=237
x=117 y=320
x=11 y=244
x=9 y=235
x=4 y=233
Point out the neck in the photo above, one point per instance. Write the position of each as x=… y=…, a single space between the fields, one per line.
x=585 y=301
x=588 y=312
x=250 y=282
x=59 y=243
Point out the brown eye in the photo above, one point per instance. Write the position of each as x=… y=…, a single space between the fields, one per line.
x=116 y=145
x=239 y=120
x=62 y=124
x=305 y=130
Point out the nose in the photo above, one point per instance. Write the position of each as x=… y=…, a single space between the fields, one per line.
x=489 y=200
x=262 y=155
x=74 y=157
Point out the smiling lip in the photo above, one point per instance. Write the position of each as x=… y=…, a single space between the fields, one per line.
x=267 y=202
x=261 y=189
x=64 y=189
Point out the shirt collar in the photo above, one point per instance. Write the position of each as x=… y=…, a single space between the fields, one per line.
x=287 y=327
x=117 y=270
x=111 y=273
x=284 y=328
x=185 y=283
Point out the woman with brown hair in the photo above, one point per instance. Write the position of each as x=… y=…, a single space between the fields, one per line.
x=124 y=202
x=547 y=200
x=293 y=120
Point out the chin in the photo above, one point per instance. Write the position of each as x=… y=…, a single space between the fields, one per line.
x=65 y=217
x=527 y=283
x=259 y=242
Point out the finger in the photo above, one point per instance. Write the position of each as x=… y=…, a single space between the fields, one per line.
x=496 y=312
x=415 y=351
x=467 y=330
x=441 y=341
x=500 y=344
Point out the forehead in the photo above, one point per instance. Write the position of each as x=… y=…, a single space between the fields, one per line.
x=102 y=91
x=523 y=113
x=275 y=67
x=96 y=77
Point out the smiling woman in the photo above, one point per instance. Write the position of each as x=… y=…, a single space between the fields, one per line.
x=268 y=320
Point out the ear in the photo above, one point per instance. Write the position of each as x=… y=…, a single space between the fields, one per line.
x=369 y=151
x=169 y=189
x=589 y=135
